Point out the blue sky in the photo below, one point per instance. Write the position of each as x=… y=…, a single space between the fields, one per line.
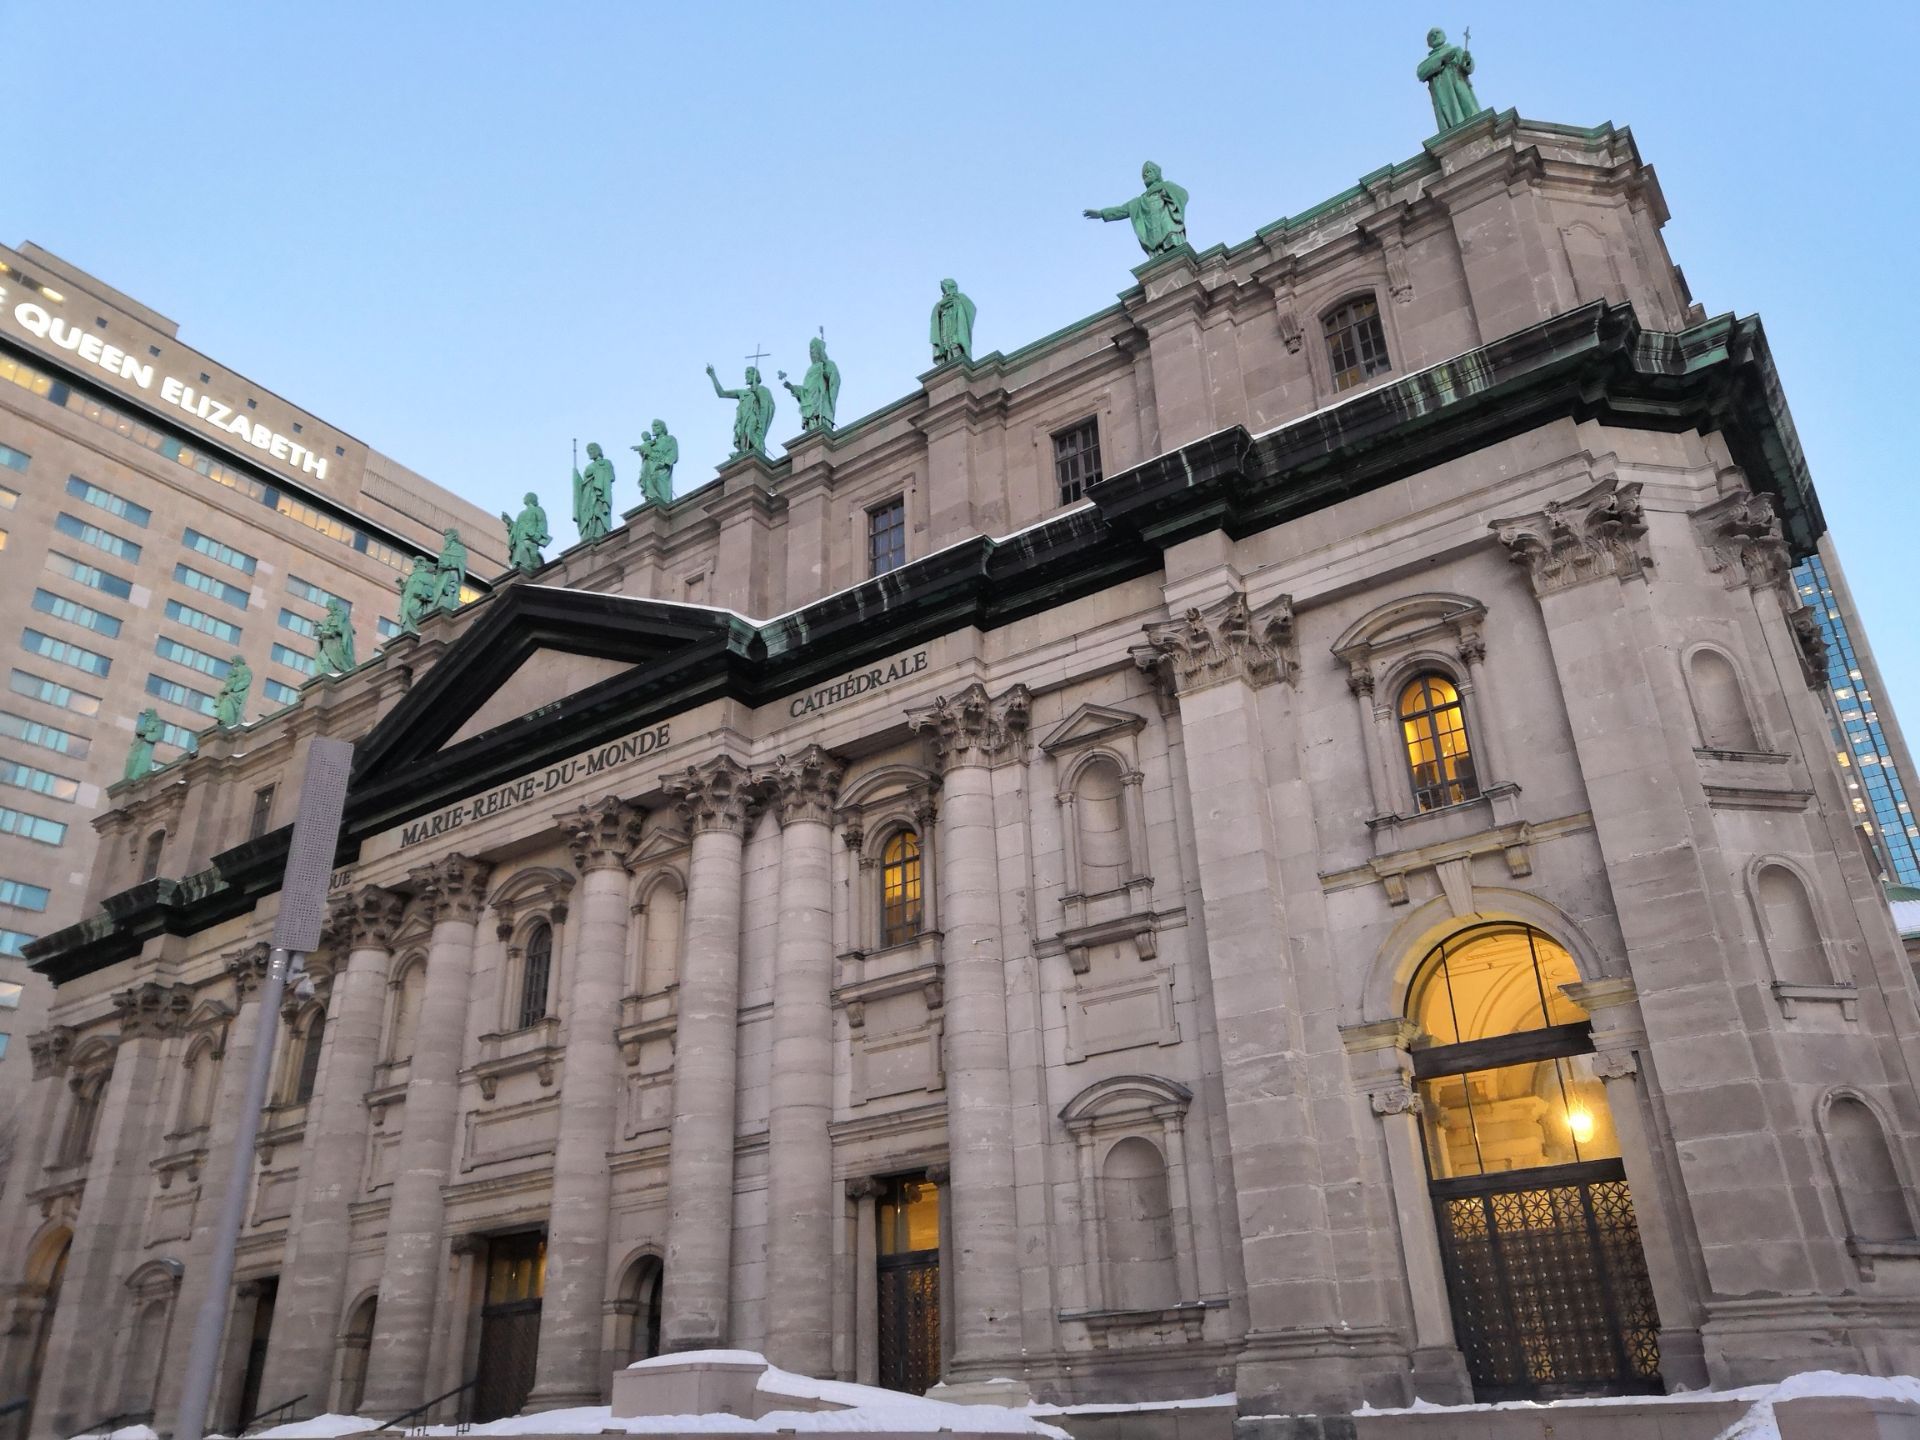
x=472 y=232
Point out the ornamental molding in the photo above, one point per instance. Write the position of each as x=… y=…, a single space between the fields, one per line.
x=1616 y=1064
x=602 y=834
x=1741 y=535
x=51 y=1049
x=451 y=889
x=364 y=919
x=1227 y=640
x=719 y=795
x=803 y=786
x=248 y=967
x=1395 y=1100
x=1810 y=646
x=152 y=1010
x=973 y=728
x=1598 y=533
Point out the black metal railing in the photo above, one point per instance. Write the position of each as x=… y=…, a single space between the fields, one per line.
x=400 y=1420
x=259 y=1421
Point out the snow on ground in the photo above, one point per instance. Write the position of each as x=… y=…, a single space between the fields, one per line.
x=125 y=1432
x=320 y=1427
x=1115 y=1407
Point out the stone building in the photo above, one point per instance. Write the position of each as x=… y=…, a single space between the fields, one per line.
x=1281 y=838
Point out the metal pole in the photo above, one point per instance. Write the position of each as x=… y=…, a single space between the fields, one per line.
x=210 y=1326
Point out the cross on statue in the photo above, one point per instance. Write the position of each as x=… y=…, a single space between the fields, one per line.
x=757 y=356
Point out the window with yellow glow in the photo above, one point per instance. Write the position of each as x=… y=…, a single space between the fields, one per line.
x=909 y=1216
x=1434 y=728
x=900 y=907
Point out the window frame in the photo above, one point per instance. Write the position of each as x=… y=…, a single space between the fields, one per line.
x=894 y=512
x=1087 y=426
x=1362 y=368
x=1443 y=788
x=911 y=920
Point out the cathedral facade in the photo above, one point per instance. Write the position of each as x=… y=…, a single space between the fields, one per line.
x=1279 y=839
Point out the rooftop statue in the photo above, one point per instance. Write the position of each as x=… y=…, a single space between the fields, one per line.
x=659 y=452
x=819 y=391
x=335 y=639
x=1445 y=70
x=951 y=329
x=593 y=496
x=526 y=535
x=146 y=730
x=453 y=571
x=230 y=705
x=1159 y=213
x=752 y=416
x=419 y=589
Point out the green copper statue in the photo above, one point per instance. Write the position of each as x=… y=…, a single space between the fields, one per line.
x=146 y=730
x=419 y=589
x=659 y=452
x=526 y=535
x=453 y=570
x=1445 y=70
x=1159 y=214
x=819 y=391
x=334 y=637
x=230 y=705
x=593 y=496
x=752 y=416
x=951 y=329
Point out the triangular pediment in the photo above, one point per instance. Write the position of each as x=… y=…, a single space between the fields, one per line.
x=1090 y=725
x=544 y=678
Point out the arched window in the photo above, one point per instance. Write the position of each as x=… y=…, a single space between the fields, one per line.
x=1101 y=823
x=900 y=907
x=536 y=975
x=408 y=986
x=1136 y=1218
x=1356 y=345
x=639 y=1309
x=311 y=1039
x=1863 y=1172
x=1719 y=703
x=1434 y=727
x=196 y=1098
x=1792 y=929
x=354 y=1349
x=150 y=857
x=83 y=1117
x=666 y=912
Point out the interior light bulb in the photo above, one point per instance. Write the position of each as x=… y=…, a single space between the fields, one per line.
x=1580 y=1122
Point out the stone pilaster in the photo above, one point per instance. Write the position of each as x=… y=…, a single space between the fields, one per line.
x=969 y=733
x=717 y=800
x=300 y=1355
x=601 y=836
x=51 y=1049
x=800 y=1201
x=106 y=1227
x=453 y=893
x=1598 y=533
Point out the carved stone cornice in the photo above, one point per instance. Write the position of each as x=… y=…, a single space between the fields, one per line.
x=973 y=728
x=1227 y=640
x=248 y=967
x=1741 y=534
x=152 y=1010
x=1810 y=645
x=862 y=1187
x=804 y=786
x=51 y=1049
x=1593 y=535
x=451 y=889
x=364 y=919
x=719 y=795
x=602 y=834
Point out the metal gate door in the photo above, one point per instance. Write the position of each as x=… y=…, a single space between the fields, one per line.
x=1549 y=1283
x=910 y=1320
x=510 y=1324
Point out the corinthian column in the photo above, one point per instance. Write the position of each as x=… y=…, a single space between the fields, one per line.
x=333 y=1150
x=568 y=1372
x=453 y=893
x=800 y=1201
x=717 y=799
x=971 y=733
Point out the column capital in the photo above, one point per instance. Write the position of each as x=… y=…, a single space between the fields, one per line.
x=451 y=889
x=364 y=919
x=1227 y=640
x=150 y=1010
x=51 y=1049
x=248 y=967
x=973 y=728
x=601 y=834
x=1810 y=645
x=862 y=1187
x=1395 y=1100
x=1597 y=533
x=1741 y=535
x=802 y=786
x=719 y=795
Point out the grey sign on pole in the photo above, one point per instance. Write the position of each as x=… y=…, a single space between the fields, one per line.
x=303 y=911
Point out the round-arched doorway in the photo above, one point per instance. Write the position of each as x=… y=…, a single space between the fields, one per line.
x=1545 y=1271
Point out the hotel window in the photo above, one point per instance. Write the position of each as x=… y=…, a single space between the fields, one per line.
x=50 y=693
x=387 y=628
x=169 y=649
x=281 y=693
x=887 y=536
x=10 y=992
x=535 y=975
x=298 y=624
x=90 y=576
x=108 y=501
x=12 y=942
x=90 y=661
x=219 y=589
x=8 y=497
x=47 y=737
x=175 y=693
x=150 y=858
x=294 y=660
x=262 y=818
x=900 y=907
x=306 y=590
x=32 y=827
x=171 y=734
x=114 y=545
x=21 y=895
x=1356 y=345
x=74 y=613
x=206 y=624
x=40 y=782
x=1434 y=727
x=214 y=550
x=14 y=460
x=1076 y=459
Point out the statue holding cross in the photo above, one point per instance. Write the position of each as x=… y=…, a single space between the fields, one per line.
x=752 y=412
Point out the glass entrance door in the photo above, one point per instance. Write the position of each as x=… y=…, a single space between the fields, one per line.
x=908 y=1266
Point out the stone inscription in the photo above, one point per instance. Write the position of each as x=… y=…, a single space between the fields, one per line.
x=859 y=683
x=532 y=787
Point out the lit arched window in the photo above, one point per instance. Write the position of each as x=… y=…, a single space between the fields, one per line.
x=1434 y=727
x=1356 y=345
x=900 y=907
x=535 y=975
x=311 y=1040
